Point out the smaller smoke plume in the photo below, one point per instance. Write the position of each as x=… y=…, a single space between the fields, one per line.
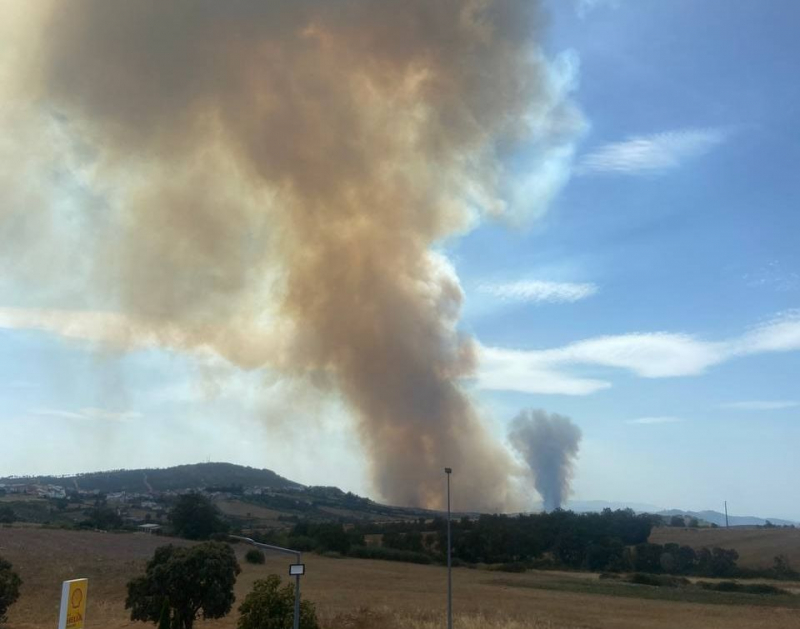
x=549 y=443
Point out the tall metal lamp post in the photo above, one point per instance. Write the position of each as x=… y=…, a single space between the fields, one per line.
x=449 y=471
x=296 y=570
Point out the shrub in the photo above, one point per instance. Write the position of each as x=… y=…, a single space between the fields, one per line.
x=388 y=554
x=782 y=569
x=270 y=606
x=9 y=587
x=657 y=580
x=254 y=556
x=7 y=515
x=511 y=566
x=717 y=562
x=103 y=518
x=749 y=588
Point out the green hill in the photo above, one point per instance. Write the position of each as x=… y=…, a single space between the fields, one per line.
x=182 y=477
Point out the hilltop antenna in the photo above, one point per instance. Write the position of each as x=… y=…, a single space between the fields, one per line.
x=726 y=515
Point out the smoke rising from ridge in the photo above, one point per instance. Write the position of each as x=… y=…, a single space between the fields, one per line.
x=269 y=181
x=549 y=444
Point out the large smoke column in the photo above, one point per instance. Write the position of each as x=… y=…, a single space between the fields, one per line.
x=270 y=181
x=549 y=444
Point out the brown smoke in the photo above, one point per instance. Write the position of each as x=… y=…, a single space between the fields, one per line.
x=310 y=154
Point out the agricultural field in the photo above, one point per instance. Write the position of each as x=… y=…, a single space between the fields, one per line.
x=757 y=546
x=367 y=594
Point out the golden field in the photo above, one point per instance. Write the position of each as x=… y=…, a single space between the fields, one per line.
x=757 y=546
x=361 y=594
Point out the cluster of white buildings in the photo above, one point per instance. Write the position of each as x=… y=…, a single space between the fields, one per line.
x=34 y=489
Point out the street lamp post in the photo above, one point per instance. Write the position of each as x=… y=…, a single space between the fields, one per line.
x=449 y=471
x=296 y=570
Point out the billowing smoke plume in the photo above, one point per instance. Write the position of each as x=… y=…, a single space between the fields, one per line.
x=549 y=443
x=269 y=180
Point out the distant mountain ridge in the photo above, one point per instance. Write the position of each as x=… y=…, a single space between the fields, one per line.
x=715 y=517
x=180 y=477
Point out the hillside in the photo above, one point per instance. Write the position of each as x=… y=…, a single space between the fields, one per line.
x=757 y=547
x=249 y=497
x=181 y=477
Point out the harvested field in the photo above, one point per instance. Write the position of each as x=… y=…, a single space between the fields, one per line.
x=756 y=546
x=363 y=594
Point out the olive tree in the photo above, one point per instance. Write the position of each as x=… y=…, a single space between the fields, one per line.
x=181 y=584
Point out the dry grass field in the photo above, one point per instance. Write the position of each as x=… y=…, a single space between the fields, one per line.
x=267 y=517
x=361 y=594
x=756 y=546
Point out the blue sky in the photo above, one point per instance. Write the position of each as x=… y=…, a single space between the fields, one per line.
x=657 y=302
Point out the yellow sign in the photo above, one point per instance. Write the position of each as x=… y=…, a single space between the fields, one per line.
x=73 y=604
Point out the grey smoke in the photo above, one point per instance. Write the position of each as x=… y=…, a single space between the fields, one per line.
x=549 y=443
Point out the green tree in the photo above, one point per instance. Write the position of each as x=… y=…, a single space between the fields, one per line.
x=270 y=606
x=7 y=515
x=9 y=587
x=196 y=517
x=717 y=562
x=103 y=518
x=181 y=583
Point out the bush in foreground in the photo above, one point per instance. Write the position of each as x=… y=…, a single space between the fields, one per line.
x=270 y=606
x=181 y=583
x=9 y=587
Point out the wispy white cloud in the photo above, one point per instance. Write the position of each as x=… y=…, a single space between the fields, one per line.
x=87 y=414
x=648 y=355
x=539 y=291
x=656 y=420
x=526 y=372
x=652 y=153
x=775 y=276
x=762 y=405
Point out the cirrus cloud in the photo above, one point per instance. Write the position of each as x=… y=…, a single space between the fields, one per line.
x=653 y=153
x=668 y=419
x=540 y=291
x=762 y=405
x=647 y=355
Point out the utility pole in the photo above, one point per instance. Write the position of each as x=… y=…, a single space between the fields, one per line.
x=726 y=515
x=449 y=471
